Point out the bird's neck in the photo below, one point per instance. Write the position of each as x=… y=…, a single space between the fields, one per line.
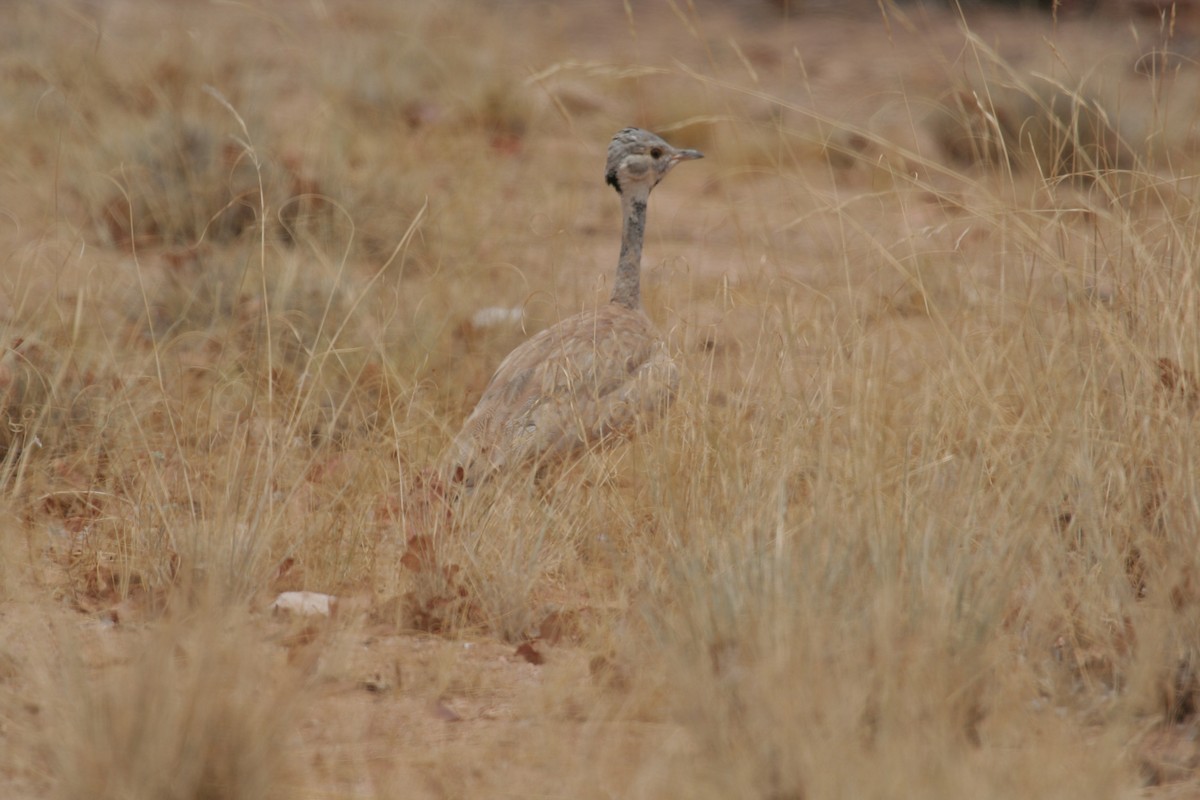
x=627 y=290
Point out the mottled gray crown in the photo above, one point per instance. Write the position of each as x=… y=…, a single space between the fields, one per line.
x=629 y=141
x=636 y=142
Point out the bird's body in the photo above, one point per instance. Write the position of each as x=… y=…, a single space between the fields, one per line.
x=590 y=378
x=593 y=377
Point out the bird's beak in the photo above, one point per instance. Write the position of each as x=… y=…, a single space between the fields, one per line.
x=686 y=155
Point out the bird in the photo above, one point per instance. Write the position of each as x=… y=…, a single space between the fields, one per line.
x=593 y=378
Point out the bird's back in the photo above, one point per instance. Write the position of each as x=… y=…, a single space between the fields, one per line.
x=592 y=377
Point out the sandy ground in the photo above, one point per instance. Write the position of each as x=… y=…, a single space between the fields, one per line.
x=457 y=709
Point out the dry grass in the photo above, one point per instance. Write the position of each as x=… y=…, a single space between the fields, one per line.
x=923 y=522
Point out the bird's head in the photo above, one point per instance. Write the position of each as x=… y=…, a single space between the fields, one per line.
x=638 y=159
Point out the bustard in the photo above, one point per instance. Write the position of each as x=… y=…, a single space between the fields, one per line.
x=594 y=376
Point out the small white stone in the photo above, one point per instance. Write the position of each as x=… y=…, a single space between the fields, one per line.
x=497 y=315
x=308 y=604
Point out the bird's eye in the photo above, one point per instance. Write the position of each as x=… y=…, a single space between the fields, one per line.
x=656 y=153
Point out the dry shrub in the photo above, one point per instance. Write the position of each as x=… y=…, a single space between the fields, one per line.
x=51 y=401
x=200 y=709
x=1058 y=135
x=510 y=552
x=795 y=630
x=180 y=182
x=240 y=305
x=463 y=572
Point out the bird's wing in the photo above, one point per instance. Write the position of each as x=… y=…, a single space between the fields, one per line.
x=590 y=377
